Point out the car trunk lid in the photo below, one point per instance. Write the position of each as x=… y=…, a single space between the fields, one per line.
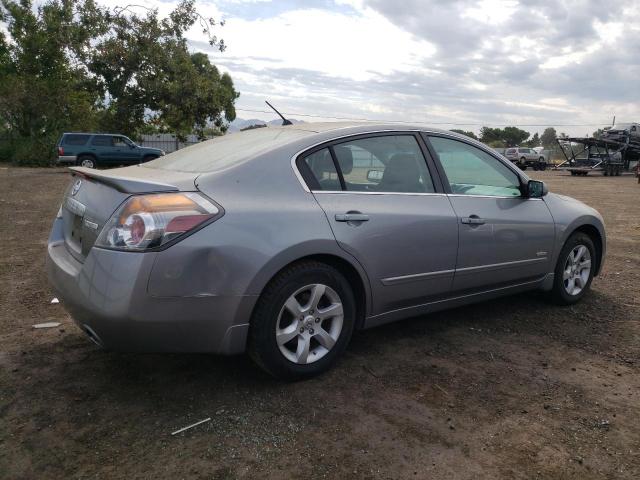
x=93 y=195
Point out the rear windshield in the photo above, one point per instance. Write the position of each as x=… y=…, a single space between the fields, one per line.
x=511 y=150
x=222 y=152
x=73 y=139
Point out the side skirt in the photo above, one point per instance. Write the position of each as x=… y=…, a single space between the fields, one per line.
x=544 y=283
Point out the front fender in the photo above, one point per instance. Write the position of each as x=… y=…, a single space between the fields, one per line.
x=570 y=215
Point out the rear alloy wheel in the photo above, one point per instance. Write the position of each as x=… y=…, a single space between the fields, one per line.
x=309 y=324
x=303 y=321
x=574 y=270
x=86 y=161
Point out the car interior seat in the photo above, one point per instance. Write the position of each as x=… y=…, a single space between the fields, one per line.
x=402 y=174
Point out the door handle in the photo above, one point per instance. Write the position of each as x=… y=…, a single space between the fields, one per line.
x=473 y=220
x=351 y=217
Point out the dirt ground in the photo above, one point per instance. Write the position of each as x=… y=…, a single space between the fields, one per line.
x=514 y=388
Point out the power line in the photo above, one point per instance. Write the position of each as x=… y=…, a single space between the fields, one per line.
x=408 y=122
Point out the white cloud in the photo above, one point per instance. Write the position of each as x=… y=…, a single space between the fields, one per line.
x=336 y=44
x=487 y=62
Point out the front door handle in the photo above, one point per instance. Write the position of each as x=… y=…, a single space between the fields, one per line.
x=351 y=217
x=473 y=220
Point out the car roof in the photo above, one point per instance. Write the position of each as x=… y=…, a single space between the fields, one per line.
x=321 y=127
x=231 y=150
x=94 y=133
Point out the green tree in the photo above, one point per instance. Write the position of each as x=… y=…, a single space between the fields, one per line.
x=513 y=136
x=463 y=132
x=534 y=141
x=144 y=66
x=506 y=137
x=548 y=138
x=44 y=88
x=489 y=135
x=72 y=65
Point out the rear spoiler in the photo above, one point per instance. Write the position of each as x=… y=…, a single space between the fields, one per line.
x=121 y=183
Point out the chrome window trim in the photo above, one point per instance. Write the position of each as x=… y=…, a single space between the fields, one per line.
x=491 y=196
x=371 y=132
x=355 y=192
x=428 y=132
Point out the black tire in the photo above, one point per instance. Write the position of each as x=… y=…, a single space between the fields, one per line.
x=262 y=344
x=542 y=164
x=559 y=293
x=87 y=161
x=535 y=167
x=605 y=172
x=523 y=164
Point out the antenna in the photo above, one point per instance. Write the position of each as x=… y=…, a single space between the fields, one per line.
x=614 y=121
x=284 y=120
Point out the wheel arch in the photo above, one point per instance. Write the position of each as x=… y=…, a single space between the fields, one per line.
x=352 y=271
x=87 y=154
x=596 y=237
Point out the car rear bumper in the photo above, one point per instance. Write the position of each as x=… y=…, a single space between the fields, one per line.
x=108 y=299
x=67 y=158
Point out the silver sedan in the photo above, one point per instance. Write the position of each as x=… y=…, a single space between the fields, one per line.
x=282 y=241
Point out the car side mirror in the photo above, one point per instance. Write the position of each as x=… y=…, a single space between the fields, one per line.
x=374 y=176
x=536 y=189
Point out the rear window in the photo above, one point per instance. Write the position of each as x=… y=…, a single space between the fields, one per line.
x=73 y=139
x=222 y=152
x=510 y=150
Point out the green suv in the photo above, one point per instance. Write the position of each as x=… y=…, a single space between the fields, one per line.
x=93 y=149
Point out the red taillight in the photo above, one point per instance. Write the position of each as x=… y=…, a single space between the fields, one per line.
x=186 y=223
x=152 y=220
x=60 y=151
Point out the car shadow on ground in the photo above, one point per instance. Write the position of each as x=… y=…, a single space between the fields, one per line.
x=525 y=314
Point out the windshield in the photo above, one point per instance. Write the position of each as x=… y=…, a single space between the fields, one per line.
x=227 y=150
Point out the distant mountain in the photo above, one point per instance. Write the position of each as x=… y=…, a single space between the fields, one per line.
x=240 y=123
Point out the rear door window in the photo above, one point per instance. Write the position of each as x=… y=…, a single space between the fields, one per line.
x=320 y=167
x=387 y=164
x=74 y=139
x=102 y=141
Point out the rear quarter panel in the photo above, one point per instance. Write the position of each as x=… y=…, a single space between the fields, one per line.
x=269 y=222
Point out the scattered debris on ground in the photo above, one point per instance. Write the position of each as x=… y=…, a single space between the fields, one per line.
x=512 y=388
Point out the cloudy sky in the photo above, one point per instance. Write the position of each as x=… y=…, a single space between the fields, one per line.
x=567 y=63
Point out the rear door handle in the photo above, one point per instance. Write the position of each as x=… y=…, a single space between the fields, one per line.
x=473 y=220
x=351 y=217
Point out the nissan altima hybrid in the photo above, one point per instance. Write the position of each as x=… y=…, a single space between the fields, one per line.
x=282 y=241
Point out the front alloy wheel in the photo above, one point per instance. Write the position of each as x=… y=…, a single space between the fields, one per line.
x=574 y=269
x=577 y=270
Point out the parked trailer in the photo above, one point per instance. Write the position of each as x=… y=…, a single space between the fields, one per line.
x=607 y=155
